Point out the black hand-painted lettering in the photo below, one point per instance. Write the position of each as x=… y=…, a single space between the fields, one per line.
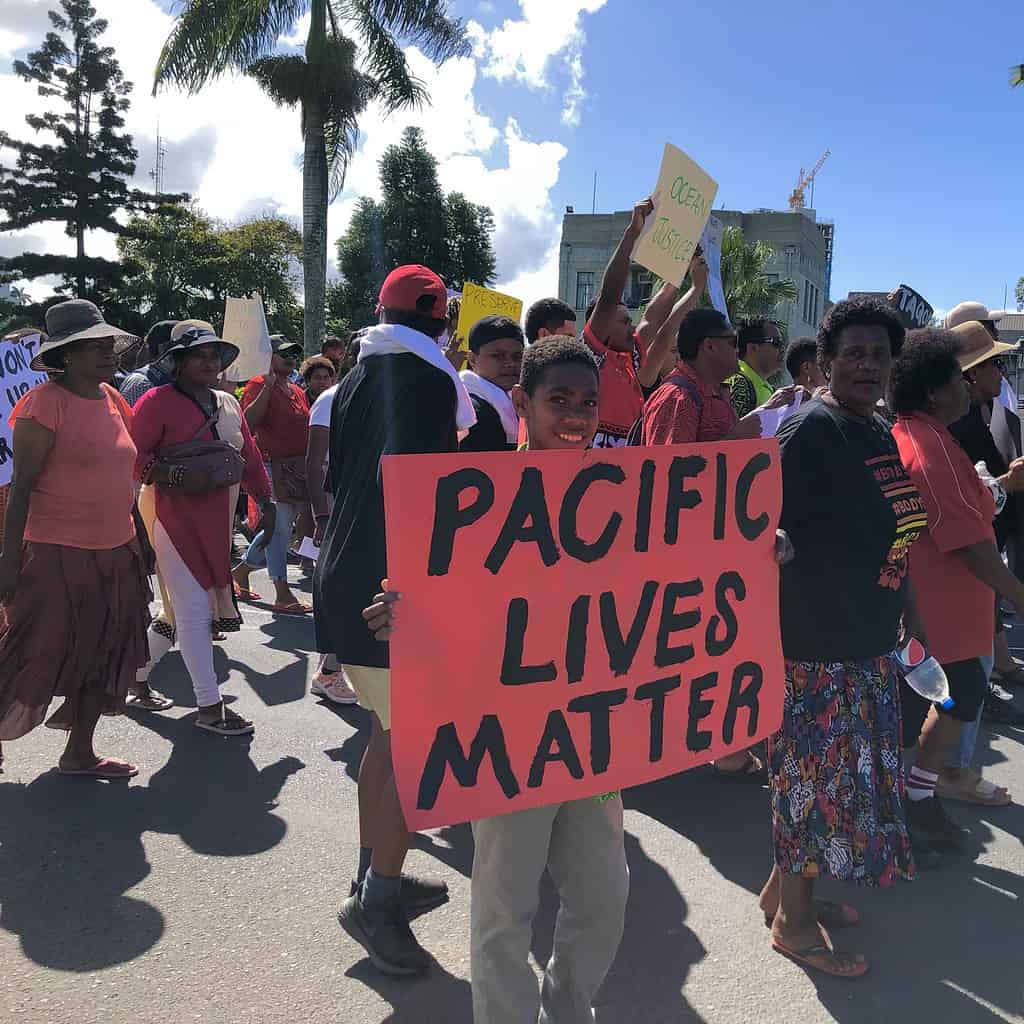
x=698 y=739
x=598 y=706
x=555 y=745
x=449 y=517
x=715 y=645
x=513 y=671
x=527 y=520
x=576 y=639
x=644 y=500
x=673 y=621
x=750 y=529
x=568 y=526
x=655 y=692
x=721 y=494
x=446 y=751
x=622 y=651
x=679 y=496
x=747 y=679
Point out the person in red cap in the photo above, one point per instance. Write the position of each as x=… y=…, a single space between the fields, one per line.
x=403 y=396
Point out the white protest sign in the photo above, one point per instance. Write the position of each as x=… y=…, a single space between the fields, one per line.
x=711 y=243
x=682 y=204
x=15 y=379
x=245 y=325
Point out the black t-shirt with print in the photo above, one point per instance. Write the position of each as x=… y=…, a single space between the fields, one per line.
x=488 y=433
x=852 y=514
x=388 y=405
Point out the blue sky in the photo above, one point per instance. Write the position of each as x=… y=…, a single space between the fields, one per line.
x=912 y=99
x=927 y=139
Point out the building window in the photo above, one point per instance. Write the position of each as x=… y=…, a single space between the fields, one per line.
x=639 y=288
x=812 y=303
x=584 y=288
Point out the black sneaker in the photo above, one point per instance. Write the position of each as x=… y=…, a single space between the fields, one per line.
x=1001 y=710
x=926 y=857
x=928 y=821
x=384 y=933
x=417 y=895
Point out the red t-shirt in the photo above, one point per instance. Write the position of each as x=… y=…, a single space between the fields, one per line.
x=283 y=432
x=957 y=609
x=673 y=416
x=620 y=398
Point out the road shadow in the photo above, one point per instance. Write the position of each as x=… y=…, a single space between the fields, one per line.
x=435 y=998
x=69 y=851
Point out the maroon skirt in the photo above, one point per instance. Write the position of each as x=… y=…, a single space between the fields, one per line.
x=76 y=625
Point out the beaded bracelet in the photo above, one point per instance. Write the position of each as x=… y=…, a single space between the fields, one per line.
x=176 y=476
x=146 y=476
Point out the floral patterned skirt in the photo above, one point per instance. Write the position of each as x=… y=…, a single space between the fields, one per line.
x=836 y=767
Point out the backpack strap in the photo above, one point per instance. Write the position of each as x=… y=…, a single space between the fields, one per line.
x=636 y=432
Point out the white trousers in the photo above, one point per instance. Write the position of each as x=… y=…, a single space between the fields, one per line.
x=581 y=845
x=192 y=617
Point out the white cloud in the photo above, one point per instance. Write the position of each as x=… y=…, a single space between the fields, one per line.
x=238 y=153
x=524 y=49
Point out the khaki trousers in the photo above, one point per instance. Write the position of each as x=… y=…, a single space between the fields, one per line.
x=581 y=845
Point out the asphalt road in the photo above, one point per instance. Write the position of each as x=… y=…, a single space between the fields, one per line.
x=206 y=889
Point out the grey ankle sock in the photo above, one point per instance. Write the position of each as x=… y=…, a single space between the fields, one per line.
x=380 y=890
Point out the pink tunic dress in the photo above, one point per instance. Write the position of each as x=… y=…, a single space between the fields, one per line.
x=199 y=525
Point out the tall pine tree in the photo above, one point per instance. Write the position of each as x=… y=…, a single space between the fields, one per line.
x=414 y=222
x=77 y=167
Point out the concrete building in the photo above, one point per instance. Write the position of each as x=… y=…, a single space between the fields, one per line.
x=802 y=247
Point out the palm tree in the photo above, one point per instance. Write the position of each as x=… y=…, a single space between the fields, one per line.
x=749 y=290
x=332 y=85
x=1017 y=74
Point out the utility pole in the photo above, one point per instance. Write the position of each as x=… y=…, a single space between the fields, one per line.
x=157 y=174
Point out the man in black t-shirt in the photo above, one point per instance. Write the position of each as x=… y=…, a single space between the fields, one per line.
x=402 y=397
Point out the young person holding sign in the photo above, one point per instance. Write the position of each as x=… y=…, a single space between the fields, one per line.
x=579 y=842
x=630 y=359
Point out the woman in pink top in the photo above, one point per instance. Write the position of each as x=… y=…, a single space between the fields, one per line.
x=72 y=572
x=193 y=523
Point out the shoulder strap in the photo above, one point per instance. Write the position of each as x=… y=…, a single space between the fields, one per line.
x=676 y=379
x=210 y=421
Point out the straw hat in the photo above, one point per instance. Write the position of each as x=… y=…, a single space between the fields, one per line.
x=192 y=334
x=977 y=345
x=76 y=320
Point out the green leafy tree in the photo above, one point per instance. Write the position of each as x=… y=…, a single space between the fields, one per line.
x=414 y=222
x=180 y=263
x=332 y=84
x=749 y=291
x=81 y=177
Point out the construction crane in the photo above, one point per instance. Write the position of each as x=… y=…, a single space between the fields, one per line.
x=796 y=200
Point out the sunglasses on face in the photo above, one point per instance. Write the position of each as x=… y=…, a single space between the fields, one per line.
x=774 y=342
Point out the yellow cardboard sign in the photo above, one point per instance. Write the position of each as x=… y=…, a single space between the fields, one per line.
x=479 y=302
x=683 y=202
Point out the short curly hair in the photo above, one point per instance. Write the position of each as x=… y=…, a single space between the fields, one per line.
x=555 y=351
x=315 y=363
x=862 y=312
x=927 y=363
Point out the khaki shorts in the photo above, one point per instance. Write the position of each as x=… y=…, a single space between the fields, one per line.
x=373 y=688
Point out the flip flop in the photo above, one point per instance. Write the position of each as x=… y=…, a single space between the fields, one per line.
x=983 y=793
x=296 y=608
x=245 y=594
x=857 y=969
x=831 y=915
x=153 y=701
x=104 y=768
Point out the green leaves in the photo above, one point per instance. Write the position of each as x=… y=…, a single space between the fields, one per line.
x=749 y=292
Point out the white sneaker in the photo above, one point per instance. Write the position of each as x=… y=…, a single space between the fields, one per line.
x=334 y=687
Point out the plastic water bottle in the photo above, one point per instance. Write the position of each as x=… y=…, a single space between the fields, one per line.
x=924 y=674
x=996 y=488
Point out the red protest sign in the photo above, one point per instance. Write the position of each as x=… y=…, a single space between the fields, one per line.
x=574 y=623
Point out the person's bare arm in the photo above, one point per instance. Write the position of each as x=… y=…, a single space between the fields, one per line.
x=32 y=445
x=316 y=455
x=984 y=563
x=617 y=271
x=257 y=409
x=665 y=337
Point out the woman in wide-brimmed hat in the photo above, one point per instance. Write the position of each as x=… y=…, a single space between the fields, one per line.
x=192 y=526
x=72 y=571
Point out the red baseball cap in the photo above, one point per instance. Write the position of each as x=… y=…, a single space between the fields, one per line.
x=405 y=286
